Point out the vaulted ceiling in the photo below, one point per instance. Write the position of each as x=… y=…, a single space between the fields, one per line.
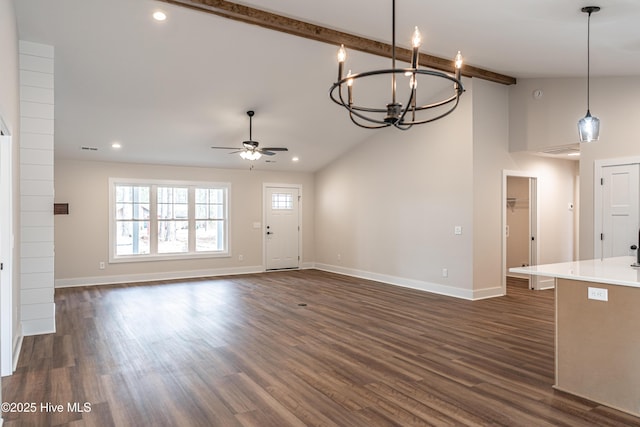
x=168 y=91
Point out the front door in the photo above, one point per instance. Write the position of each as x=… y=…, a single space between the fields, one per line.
x=620 y=210
x=282 y=227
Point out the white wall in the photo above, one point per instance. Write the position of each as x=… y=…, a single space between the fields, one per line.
x=36 y=187
x=490 y=157
x=84 y=185
x=550 y=120
x=387 y=209
x=615 y=102
x=492 y=141
x=553 y=120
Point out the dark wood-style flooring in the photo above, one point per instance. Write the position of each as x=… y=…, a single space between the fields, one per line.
x=295 y=348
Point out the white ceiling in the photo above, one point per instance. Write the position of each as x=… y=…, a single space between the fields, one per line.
x=167 y=91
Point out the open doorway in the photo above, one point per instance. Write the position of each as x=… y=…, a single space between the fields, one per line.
x=520 y=225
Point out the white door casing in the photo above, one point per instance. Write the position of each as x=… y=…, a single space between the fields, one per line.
x=6 y=253
x=281 y=226
x=534 y=281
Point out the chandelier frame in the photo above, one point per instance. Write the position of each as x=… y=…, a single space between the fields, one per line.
x=395 y=112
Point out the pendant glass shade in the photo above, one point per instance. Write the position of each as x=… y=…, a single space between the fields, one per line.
x=589 y=128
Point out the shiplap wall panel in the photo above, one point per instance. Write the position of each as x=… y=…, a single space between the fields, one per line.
x=38 y=157
x=36 y=110
x=36 y=296
x=37 y=50
x=35 y=203
x=36 y=94
x=37 y=188
x=36 y=79
x=36 y=169
x=37 y=311
x=36 y=142
x=39 y=265
x=36 y=125
x=38 y=64
x=34 y=280
x=36 y=249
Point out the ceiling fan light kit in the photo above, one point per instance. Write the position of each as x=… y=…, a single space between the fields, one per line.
x=250 y=149
x=395 y=113
x=589 y=126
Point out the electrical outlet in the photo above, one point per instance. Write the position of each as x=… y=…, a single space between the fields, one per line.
x=445 y=272
x=102 y=265
x=339 y=257
x=457 y=230
x=240 y=257
x=598 y=294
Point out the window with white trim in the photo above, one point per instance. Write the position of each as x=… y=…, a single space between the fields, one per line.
x=282 y=201
x=168 y=220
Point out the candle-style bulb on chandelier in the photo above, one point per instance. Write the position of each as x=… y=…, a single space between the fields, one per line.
x=395 y=113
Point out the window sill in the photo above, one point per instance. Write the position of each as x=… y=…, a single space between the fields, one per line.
x=167 y=257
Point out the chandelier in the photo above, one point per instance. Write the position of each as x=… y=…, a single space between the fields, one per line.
x=395 y=113
x=589 y=126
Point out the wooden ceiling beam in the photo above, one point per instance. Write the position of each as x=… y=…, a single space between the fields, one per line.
x=272 y=21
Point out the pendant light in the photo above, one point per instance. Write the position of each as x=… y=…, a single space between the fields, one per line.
x=589 y=126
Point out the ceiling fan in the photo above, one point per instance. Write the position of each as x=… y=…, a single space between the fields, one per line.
x=250 y=149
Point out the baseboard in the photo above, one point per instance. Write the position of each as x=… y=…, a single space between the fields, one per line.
x=38 y=327
x=435 y=288
x=517 y=275
x=17 y=347
x=147 y=277
x=546 y=283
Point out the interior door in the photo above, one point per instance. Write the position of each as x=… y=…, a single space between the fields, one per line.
x=282 y=227
x=620 y=209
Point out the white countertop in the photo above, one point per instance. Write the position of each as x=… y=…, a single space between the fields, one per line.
x=612 y=271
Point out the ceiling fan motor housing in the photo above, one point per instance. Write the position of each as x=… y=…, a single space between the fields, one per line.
x=250 y=145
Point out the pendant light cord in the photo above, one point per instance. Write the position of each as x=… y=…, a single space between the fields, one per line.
x=393 y=51
x=588 y=59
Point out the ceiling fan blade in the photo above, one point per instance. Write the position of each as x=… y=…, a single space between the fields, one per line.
x=267 y=153
x=226 y=148
x=275 y=149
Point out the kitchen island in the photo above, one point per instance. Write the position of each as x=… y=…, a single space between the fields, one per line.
x=597 y=308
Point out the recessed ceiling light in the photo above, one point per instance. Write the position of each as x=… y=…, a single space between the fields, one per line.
x=116 y=145
x=159 y=15
x=295 y=159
